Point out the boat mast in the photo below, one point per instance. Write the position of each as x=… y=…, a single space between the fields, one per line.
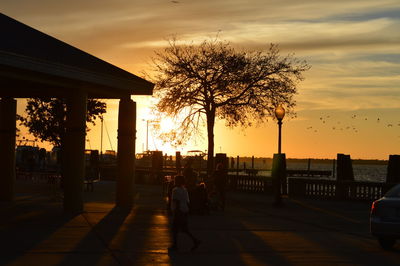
x=101 y=138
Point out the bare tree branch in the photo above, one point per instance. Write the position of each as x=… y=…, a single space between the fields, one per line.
x=213 y=80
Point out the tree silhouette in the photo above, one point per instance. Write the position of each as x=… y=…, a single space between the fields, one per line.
x=199 y=83
x=45 y=117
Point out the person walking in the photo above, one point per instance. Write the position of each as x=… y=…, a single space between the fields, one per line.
x=190 y=176
x=180 y=210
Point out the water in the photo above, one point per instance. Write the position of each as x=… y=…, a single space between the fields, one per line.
x=362 y=172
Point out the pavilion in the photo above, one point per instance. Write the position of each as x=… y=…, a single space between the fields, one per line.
x=34 y=64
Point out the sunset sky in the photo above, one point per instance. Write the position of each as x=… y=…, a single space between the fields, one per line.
x=349 y=102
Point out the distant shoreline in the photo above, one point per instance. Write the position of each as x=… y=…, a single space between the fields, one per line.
x=321 y=161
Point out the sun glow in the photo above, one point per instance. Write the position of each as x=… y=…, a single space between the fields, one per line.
x=167 y=124
x=352 y=46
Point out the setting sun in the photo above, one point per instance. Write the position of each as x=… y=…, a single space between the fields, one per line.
x=167 y=124
x=351 y=46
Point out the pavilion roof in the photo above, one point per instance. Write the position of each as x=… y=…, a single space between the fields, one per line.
x=33 y=63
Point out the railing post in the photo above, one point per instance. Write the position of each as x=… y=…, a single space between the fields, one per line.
x=393 y=169
x=237 y=166
x=278 y=176
x=178 y=160
x=344 y=168
x=333 y=168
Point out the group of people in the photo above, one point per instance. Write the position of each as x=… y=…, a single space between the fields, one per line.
x=186 y=192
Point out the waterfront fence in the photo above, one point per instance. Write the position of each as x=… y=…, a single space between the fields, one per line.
x=312 y=188
x=339 y=190
x=246 y=183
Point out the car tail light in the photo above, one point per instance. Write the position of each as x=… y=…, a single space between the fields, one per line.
x=374 y=207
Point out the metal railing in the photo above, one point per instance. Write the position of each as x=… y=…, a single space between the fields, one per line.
x=332 y=189
x=245 y=183
x=313 y=188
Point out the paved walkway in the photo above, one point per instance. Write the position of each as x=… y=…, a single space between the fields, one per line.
x=34 y=231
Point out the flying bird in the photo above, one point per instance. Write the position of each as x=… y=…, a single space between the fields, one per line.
x=175 y=2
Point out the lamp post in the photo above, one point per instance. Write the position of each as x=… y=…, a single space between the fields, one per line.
x=279 y=161
x=279 y=114
x=147 y=131
x=147 y=135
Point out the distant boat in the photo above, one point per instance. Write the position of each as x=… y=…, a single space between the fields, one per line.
x=198 y=159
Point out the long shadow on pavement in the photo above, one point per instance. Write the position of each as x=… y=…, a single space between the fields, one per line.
x=145 y=236
x=94 y=247
x=302 y=235
x=26 y=223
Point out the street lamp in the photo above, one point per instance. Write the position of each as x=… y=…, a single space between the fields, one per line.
x=279 y=114
x=279 y=161
x=147 y=135
x=147 y=130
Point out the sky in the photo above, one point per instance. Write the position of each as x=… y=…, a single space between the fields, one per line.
x=348 y=103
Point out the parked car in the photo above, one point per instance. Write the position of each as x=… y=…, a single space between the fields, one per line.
x=385 y=218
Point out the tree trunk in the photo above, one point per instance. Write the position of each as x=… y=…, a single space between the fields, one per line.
x=210 y=135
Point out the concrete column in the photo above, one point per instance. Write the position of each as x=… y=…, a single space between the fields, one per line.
x=178 y=162
x=279 y=177
x=344 y=168
x=126 y=152
x=74 y=153
x=8 y=111
x=393 y=169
